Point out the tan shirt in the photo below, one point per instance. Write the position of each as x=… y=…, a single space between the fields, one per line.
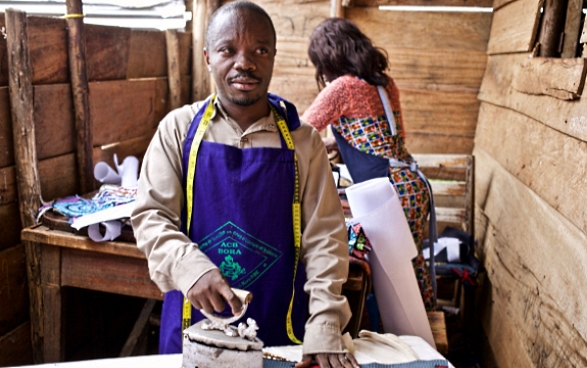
x=177 y=263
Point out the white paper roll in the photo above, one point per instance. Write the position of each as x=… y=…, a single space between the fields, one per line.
x=113 y=230
x=106 y=174
x=375 y=204
x=129 y=171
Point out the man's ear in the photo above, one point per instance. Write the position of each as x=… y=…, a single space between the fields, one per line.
x=207 y=59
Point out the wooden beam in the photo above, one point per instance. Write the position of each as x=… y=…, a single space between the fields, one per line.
x=378 y=3
x=174 y=75
x=537 y=154
x=514 y=27
x=572 y=28
x=497 y=88
x=80 y=91
x=16 y=347
x=336 y=9
x=552 y=28
x=138 y=328
x=23 y=126
x=200 y=74
x=13 y=289
x=560 y=78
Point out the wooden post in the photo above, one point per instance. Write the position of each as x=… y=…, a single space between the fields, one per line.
x=25 y=156
x=572 y=28
x=336 y=9
x=80 y=91
x=189 y=6
x=200 y=74
x=552 y=27
x=173 y=72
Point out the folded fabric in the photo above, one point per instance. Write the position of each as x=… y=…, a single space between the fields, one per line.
x=359 y=245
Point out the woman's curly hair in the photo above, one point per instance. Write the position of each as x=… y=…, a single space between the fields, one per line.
x=338 y=47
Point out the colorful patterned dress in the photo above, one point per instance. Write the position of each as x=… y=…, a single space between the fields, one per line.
x=354 y=109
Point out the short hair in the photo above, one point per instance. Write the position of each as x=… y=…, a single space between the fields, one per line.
x=338 y=47
x=239 y=5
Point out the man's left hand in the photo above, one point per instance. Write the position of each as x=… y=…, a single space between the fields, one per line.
x=329 y=360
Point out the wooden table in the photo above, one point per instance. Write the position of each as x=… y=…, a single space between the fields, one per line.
x=56 y=259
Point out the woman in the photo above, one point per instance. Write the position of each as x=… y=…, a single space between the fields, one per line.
x=350 y=69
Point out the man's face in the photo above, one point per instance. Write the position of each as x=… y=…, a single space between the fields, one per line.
x=240 y=52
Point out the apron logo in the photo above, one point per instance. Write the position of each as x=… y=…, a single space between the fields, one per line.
x=231 y=269
x=242 y=258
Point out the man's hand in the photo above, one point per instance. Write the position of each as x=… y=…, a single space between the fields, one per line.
x=329 y=360
x=210 y=293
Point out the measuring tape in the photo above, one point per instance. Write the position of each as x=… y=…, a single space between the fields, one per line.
x=296 y=206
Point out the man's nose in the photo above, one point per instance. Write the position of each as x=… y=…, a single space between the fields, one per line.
x=244 y=62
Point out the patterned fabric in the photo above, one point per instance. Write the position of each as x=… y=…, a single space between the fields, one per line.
x=354 y=109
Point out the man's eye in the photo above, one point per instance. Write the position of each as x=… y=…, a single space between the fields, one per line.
x=225 y=50
x=262 y=51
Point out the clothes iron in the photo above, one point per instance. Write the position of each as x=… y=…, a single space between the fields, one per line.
x=214 y=342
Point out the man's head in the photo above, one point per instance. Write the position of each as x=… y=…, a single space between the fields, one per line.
x=240 y=53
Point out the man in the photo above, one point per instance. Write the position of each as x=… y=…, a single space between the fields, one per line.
x=247 y=171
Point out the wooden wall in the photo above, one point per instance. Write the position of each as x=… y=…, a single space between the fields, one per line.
x=531 y=186
x=128 y=94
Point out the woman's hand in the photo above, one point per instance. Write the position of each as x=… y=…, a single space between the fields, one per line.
x=329 y=360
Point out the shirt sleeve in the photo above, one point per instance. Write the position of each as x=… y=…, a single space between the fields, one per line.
x=174 y=261
x=328 y=106
x=324 y=252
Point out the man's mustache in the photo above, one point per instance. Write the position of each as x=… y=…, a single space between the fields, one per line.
x=244 y=75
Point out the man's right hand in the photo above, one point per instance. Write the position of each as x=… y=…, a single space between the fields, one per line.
x=211 y=292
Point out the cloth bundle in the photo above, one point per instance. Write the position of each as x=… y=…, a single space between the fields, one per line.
x=359 y=245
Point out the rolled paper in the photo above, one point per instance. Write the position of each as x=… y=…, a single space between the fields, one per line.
x=376 y=205
x=128 y=171
x=106 y=174
x=113 y=230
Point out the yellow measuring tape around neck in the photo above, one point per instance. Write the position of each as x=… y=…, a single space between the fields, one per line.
x=296 y=206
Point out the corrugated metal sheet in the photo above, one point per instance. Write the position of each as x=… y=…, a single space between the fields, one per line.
x=146 y=14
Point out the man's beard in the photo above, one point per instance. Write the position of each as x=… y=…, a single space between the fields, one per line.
x=245 y=101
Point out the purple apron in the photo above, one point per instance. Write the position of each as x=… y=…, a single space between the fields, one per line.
x=242 y=220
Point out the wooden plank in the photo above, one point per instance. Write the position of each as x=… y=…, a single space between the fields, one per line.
x=201 y=75
x=13 y=289
x=138 y=328
x=436 y=68
x=438 y=327
x=448 y=188
x=442 y=112
x=58 y=178
x=16 y=347
x=146 y=57
x=48 y=50
x=185 y=53
x=109 y=273
x=560 y=78
x=33 y=269
x=497 y=88
x=514 y=27
x=123 y=110
x=8 y=189
x=3 y=60
x=505 y=347
x=422 y=142
x=538 y=269
x=21 y=102
x=173 y=72
x=377 y=3
x=132 y=147
x=301 y=92
x=10 y=229
x=572 y=28
x=552 y=27
x=297 y=19
x=545 y=157
x=454 y=215
x=107 y=51
x=52 y=307
x=6 y=148
x=459 y=31
x=499 y=3
x=43 y=235
x=79 y=88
